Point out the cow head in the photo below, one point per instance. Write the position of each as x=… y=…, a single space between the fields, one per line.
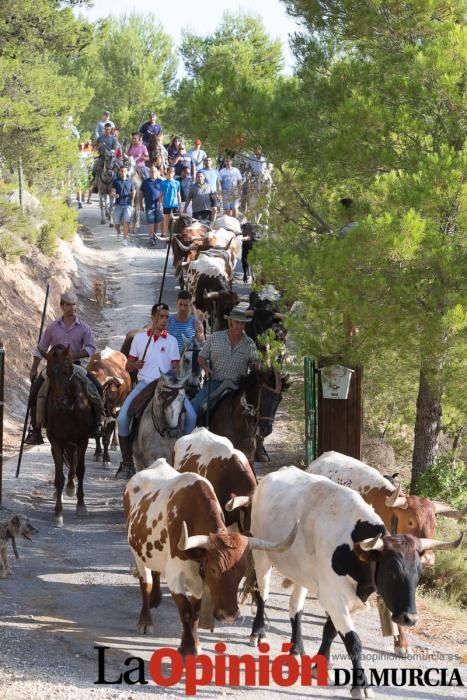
x=396 y=567
x=417 y=516
x=112 y=391
x=223 y=559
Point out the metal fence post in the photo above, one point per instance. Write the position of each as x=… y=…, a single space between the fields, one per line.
x=2 y=401
x=310 y=408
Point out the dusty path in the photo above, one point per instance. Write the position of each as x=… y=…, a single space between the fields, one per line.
x=71 y=589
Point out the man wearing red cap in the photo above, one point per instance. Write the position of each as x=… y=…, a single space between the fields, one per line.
x=197 y=155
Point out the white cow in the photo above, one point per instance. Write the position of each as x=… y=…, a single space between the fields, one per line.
x=342 y=552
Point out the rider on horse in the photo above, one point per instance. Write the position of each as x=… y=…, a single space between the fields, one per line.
x=152 y=352
x=68 y=330
x=106 y=143
x=230 y=354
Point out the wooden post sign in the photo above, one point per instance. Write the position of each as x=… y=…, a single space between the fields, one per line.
x=340 y=410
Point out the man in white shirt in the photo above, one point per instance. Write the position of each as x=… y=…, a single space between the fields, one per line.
x=152 y=352
x=230 y=180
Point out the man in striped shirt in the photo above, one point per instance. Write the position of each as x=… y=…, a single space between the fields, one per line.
x=183 y=322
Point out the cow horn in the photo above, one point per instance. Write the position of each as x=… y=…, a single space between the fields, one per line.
x=237 y=502
x=439 y=544
x=186 y=542
x=211 y=295
x=256 y=543
x=395 y=500
x=281 y=317
x=184 y=248
x=448 y=512
x=371 y=543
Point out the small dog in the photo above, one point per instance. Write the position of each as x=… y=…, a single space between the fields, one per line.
x=100 y=291
x=17 y=525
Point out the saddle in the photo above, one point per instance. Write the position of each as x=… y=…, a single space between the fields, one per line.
x=89 y=388
x=140 y=402
x=227 y=387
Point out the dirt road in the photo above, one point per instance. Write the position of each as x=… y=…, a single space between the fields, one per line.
x=72 y=590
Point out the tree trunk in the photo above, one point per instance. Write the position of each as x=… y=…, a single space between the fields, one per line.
x=427 y=428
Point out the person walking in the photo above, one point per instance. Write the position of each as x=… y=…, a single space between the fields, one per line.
x=150 y=193
x=230 y=180
x=123 y=193
x=170 y=199
x=201 y=199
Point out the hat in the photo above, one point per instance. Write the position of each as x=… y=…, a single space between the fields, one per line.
x=68 y=298
x=238 y=315
x=198 y=142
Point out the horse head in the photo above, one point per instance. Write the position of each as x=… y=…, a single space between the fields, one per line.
x=263 y=390
x=168 y=404
x=189 y=366
x=59 y=370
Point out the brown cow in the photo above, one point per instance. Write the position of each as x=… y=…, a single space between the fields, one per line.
x=225 y=467
x=108 y=367
x=401 y=514
x=176 y=528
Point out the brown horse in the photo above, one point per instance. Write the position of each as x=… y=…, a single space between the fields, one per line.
x=249 y=410
x=69 y=422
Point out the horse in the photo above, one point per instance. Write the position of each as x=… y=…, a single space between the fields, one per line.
x=257 y=195
x=161 y=422
x=136 y=175
x=104 y=187
x=69 y=422
x=189 y=366
x=249 y=410
x=155 y=154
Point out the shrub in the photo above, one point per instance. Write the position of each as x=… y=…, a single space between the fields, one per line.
x=61 y=218
x=10 y=246
x=445 y=480
x=447 y=580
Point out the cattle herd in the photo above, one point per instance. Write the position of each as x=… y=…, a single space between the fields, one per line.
x=338 y=529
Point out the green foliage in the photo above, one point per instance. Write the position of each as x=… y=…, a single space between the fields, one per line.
x=62 y=220
x=447 y=580
x=130 y=67
x=10 y=246
x=445 y=480
x=232 y=76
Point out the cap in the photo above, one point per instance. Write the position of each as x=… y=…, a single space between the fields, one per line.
x=198 y=142
x=238 y=315
x=68 y=298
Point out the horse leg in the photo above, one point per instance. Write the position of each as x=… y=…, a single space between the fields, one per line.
x=80 y=469
x=98 y=450
x=108 y=432
x=70 y=460
x=57 y=454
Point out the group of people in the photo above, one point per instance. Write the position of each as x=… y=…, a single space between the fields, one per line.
x=225 y=355
x=174 y=180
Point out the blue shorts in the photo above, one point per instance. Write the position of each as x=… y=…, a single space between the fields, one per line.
x=229 y=203
x=121 y=214
x=154 y=216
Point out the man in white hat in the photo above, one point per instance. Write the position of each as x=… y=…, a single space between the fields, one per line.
x=225 y=355
x=68 y=330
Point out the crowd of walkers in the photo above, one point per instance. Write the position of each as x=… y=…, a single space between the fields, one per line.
x=172 y=179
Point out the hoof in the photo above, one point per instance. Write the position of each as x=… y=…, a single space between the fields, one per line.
x=58 y=521
x=107 y=464
x=402 y=652
x=81 y=510
x=255 y=639
x=145 y=629
x=189 y=652
x=97 y=458
x=297 y=650
x=361 y=693
x=70 y=490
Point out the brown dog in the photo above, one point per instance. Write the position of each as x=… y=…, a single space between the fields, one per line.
x=100 y=291
x=17 y=525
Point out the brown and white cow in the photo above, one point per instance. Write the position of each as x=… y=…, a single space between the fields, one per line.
x=402 y=514
x=108 y=367
x=211 y=290
x=226 y=468
x=176 y=528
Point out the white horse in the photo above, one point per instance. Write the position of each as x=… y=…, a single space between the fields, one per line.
x=161 y=423
x=137 y=176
